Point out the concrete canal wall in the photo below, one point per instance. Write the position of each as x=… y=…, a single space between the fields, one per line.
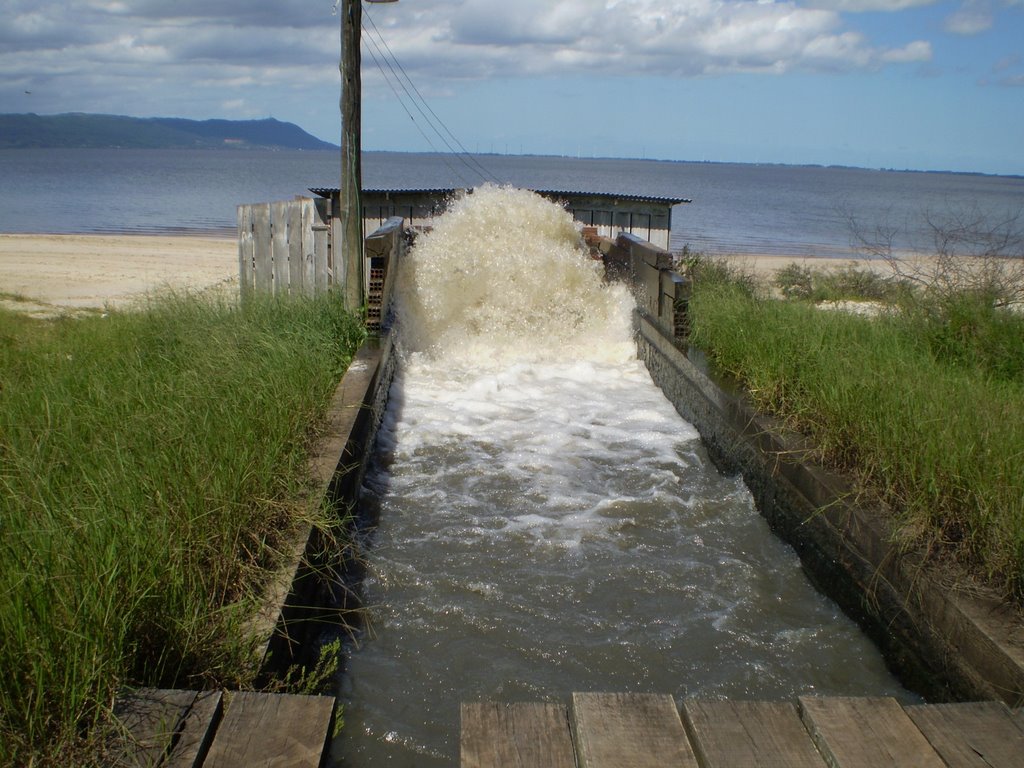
x=944 y=640
x=948 y=643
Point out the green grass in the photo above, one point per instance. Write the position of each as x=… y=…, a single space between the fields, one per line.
x=150 y=464
x=925 y=406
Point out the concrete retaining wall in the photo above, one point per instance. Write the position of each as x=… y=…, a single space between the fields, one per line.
x=946 y=642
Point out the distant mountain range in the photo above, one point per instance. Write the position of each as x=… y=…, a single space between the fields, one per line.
x=78 y=130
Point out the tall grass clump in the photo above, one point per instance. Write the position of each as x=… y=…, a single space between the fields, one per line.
x=927 y=413
x=150 y=464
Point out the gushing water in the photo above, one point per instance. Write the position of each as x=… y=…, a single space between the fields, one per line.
x=547 y=522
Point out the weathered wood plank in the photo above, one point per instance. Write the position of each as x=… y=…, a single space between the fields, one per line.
x=323 y=237
x=629 y=731
x=295 y=262
x=273 y=731
x=869 y=732
x=522 y=735
x=972 y=734
x=245 y=251
x=308 y=247
x=263 y=250
x=149 y=721
x=761 y=734
x=335 y=274
x=279 y=226
x=196 y=732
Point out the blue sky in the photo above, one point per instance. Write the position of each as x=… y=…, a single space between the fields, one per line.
x=876 y=83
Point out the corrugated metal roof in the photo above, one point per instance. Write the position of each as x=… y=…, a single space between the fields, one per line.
x=615 y=196
x=328 y=191
x=565 y=194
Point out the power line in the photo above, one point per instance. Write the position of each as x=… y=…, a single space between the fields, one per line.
x=467 y=158
x=398 y=96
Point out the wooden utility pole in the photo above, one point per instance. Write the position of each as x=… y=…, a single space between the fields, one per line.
x=351 y=213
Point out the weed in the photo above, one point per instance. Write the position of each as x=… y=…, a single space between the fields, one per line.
x=149 y=464
x=926 y=414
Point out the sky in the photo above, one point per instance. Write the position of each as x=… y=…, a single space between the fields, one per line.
x=918 y=84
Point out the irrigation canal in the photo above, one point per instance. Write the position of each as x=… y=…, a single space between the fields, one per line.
x=545 y=523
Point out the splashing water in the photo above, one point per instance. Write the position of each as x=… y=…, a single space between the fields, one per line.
x=504 y=276
x=547 y=522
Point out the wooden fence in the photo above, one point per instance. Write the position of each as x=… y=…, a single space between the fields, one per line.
x=285 y=248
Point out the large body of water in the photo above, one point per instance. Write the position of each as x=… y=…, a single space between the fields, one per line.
x=547 y=523
x=735 y=208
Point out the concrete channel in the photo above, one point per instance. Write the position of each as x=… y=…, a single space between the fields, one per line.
x=944 y=643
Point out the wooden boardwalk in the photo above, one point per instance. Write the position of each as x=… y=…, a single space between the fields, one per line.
x=648 y=731
x=189 y=729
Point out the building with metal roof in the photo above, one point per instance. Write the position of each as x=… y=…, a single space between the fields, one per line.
x=649 y=218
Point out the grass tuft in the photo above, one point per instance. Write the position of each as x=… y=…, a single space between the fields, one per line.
x=150 y=465
x=924 y=406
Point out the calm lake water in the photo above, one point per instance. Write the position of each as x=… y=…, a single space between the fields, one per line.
x=735 y=208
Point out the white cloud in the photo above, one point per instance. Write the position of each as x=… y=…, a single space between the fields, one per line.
x=483 y=38
x=860 y=6
x=917 y=51
x=971 y=18
x=192 y=56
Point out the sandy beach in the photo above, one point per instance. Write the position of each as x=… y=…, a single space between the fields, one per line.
x=52 y=274
x=46 y=275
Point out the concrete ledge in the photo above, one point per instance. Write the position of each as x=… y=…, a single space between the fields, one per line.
x=943 y=642
x=312 y=593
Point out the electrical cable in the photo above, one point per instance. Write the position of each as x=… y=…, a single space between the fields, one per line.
x=467 y=158
x=443 y=155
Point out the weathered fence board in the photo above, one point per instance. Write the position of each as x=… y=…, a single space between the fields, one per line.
x=279 y=239
x=866 y=733
x=980 y=734
x=170 y=729
x=754 y=734
x=521 y=735
x=322 y=245
x=263 y=250
x=295 y=233
x=272 y=730
x=629 y=731
x=285 y=247
x=245 y=251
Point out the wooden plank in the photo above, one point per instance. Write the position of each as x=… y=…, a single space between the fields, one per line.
x=295 y=261
x=149 y=721
x=869 y=732
x=334 y=274
x=272 y=731
x=308 y=247
x=971 y=734
x=518 y=735
x=323 y=236
x=245 y=251
x=279 y=227
x=615 y=730
x=196 y=732
x=761 y=734
x=263 y=250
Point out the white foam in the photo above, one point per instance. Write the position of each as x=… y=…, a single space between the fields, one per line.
x=503 y=277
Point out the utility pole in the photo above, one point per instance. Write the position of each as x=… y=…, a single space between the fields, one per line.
x=351 y=214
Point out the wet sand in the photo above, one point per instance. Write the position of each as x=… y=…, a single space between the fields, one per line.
x=54 y=274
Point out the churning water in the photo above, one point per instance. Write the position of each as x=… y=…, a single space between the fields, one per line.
x=547 y=522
